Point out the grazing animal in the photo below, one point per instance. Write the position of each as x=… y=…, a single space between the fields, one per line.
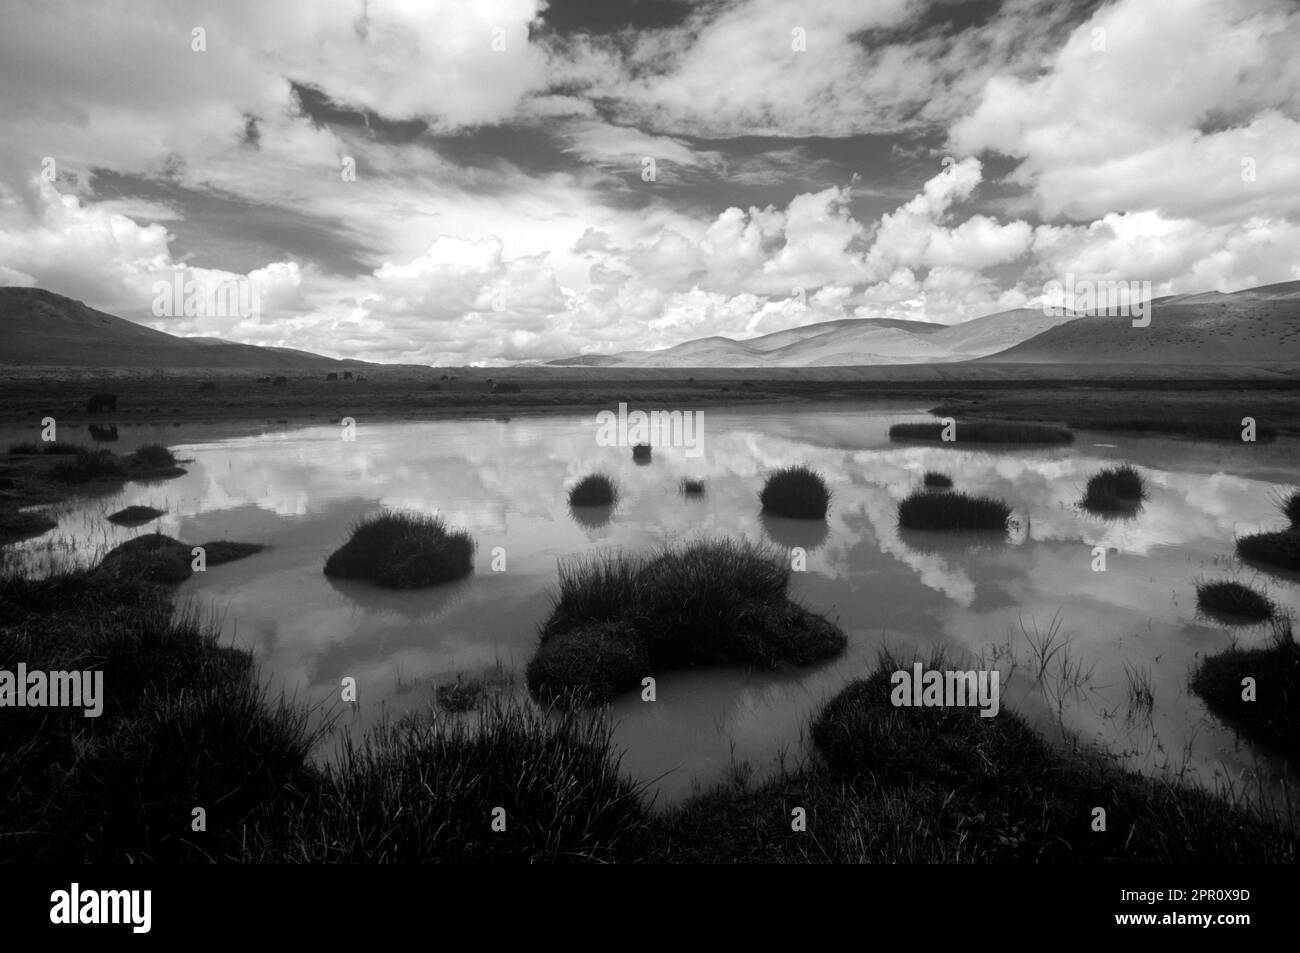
x=101 y=433
x=347 y=375
x=331 y=376
x=99 y=403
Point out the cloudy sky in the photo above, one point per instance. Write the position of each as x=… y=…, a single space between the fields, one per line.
x=485 y=181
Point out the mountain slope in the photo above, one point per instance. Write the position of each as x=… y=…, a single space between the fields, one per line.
x=1258 y=325
x=41 y=328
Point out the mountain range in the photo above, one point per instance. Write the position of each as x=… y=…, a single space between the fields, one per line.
x=1254 y=326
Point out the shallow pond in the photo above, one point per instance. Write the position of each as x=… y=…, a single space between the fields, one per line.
x=299 y=491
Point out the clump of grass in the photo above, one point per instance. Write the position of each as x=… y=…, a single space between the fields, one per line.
x=617 y=618
x=1114 y=489
x=17 y=525
x=1233 y=598
x=953 y=511
x=88 y=466
x=151 y=458
x=691 y=487
x=641 y=452
x=135 y=515
x=1289 y=504
x=796 y=491
x=403 y=551
x=937 y=481
x=982 y=431
x=595 y=489
x=431 y=791
x=162 y=559
x=461 y=695
x=1280 y=549
x=1273 y=715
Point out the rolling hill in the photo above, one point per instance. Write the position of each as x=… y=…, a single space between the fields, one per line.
x=1258 y=325
x=44 y=329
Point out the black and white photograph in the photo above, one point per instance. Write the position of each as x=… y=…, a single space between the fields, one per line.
x=650 y=432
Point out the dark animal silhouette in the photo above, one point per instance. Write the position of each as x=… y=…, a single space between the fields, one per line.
x=101 y=433
x=331 y=376
x=99 y=403
x=347 y=375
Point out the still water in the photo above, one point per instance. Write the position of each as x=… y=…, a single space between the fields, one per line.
x=299 y=490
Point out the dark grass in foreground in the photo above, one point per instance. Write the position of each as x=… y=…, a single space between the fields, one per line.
x=184 y=725
x=798 y=492
x=944 y=785
x=618 y=618
x=1273 y=716
x=403 y=551
x=1114 y=489
x=936 y=481
x=953 y=511
x=691 y=487
x=1234 y=599
x=595 y=489
x=982 y=431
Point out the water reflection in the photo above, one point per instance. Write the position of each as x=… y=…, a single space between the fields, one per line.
x=301 y=490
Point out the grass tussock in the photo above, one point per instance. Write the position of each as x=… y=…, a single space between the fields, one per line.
x=403 y=551
x=595 y=489
x=1278 y=549
x=691 y=487
x=618 y=618
x=1290 y=507
x=513 y=785
x=88 y=466
x=798 y=492
x=135 y=515
x=934 y=480
x=1233 y=599
x=981 y=431
x=1114 y=489
x=642 y=452
x=953 y=511
x=1271 y=713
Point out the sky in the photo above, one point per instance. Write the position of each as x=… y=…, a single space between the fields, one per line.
x=495 y=181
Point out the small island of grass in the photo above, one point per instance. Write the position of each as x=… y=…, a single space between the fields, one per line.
x=1233 y=599
x=619 y=618
x=953 y=511
x=798 y=492
x=1114 y=490
x=403 y=551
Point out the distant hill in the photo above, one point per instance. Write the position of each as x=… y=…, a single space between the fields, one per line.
x=848 y=341
x=44 y=329
x=1258 y=325
x=1252 y=326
